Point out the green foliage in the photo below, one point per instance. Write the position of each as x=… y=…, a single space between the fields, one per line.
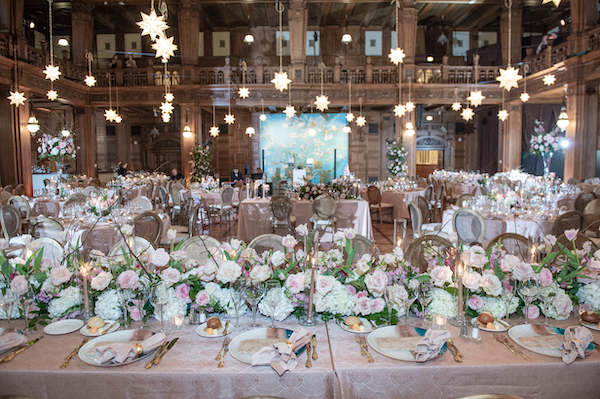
x=201 y=163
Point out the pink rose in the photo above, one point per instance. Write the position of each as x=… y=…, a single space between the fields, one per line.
x=19 y=285
x=135 y=314
x=182 y=291
x=523 y=271
x=563 y=305
x=202 y=298
x=364 y=306
x=475 y=302
x=545 y=277
x=361 y=294
x=378 y=305
x=324 y=284
x=170 y=276
x=128 y=280
x=160 y=258
x=508 y=263
x=295 y=283
x=533 y=312
x=441 y=275
x=207 y=271
x=376 y=282
x=60 y=275
x=471 y=280
x=491 y=284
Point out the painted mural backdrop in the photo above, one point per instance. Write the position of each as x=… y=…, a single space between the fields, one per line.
x=288 y=143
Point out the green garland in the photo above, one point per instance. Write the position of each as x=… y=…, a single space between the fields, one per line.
x=201 y=163
x=396 y=155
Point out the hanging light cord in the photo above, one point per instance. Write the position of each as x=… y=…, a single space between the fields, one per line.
x=213 y=112
x=350 y=95
x=280 y=7
x=109 y=91
x=229 y=94
x=15 y=50
x=508 y=4
x=50 y=31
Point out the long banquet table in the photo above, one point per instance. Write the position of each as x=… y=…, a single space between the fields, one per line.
x=254 y=217
x=189 y=370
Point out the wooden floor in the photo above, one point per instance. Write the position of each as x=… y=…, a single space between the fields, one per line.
x=383 y=234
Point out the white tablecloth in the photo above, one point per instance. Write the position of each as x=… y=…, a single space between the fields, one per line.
x=213 y=198
x=505 y=224
x=253 y=219
x=399 y=199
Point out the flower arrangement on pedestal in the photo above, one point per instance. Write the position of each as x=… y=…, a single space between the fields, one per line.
x=99 y=204
x=396 y=154
x=544 y=143
x=342 y=188
x=57 y=149
x=201 y=166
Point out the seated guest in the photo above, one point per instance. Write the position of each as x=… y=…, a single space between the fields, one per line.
x=122 y=169
x=236 y=175
x=175 y=175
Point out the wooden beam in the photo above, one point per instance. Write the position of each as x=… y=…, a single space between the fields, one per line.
x=424 y=12
x=484 y=19
x=325 y=8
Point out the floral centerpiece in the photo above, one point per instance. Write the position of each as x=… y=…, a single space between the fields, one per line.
x=201 y=166
x=544 y=143
x=396 y=154
x=99 y=204
x=57 y=149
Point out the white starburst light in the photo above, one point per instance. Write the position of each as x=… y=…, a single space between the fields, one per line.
x=349 y=117
x=410 y=106
x=549 y=80
x=17 y=98
x=118 y=118
x=322 y=102
x=290 y=111
x=456 y=106
x=214 y=131
x=524 y=97
x=347 y=129
x=110 y=115
x=244 y=92
x=475 y=98
x=361 y=121
x=169 y=97
x=229 y=119
x=503 y=115
x=467 y=114
x=165 y=48
x=397 y=55
x=281 y=81
x=90 y=80
x=52 y=72
x=166 y=107
x=556 y=2
x=52 y=95
x=399 y=110
x=508 y=78
x=152 y=25
x=263 y=117
x=166 y=117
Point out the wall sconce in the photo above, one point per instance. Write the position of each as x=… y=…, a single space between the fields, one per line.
x=33 y=125
x=250 y=131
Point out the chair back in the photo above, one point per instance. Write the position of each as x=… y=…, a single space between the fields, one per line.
x=201 y=216
x=4 y=197
x=415 y=254
x=460 y=201
x=281 y=207
x=569 y=220
x=98 y=240
x=592 y=210
x=89 y=190
x=19 y=190
x=242 y=193
x=22 y=205
x=416 y=218
x=10 y=219
x=8 y=188
x=178 y=186
x=373 y=195
x=468 y=225
x=514 y=244
x=46 y=227
x=324 y=207
x=175 y=196
x=51 y=249
x=267 y=242
x=227 y=195
x=583 y=199
x=140 y=246
x=484 y=191
x=148 y=225
x=201 y=248
x=577 y=243
x=573 y=181
x=77 y=199
x=424 y=208
x=364 y=246
x=428 y=195
x=46 y=208
x=143 y=203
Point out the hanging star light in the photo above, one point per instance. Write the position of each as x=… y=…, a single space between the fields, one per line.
x=281 y=81
x=52 y=95
x=263 y=117
x=110 y=115
x=397 y=55
x=503 y=115
x=153 y=25
x=467 y=114
x=349 y=117
x=169 y=97
x=549 y=80
x=347 y=129
x=166 y=107
x=524 y=97
x=399 y=110
x=166 y=117
x=290 y=111
x=475 y=98
x=456 y=106
x=90 y=80
x=508 y=78
x=244 y=92
x=361 y=121
x=17 y=98
x=229 y=119
x=164 y=48
x=52 y=72
x=322 y=102
x=214 y=131
x=118 y=118
x=410 y=106
x=556 y=2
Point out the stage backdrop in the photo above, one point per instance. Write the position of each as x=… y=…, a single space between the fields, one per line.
x=288 y=143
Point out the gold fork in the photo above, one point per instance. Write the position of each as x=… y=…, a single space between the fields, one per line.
x=308 y=352
x=363 y=343
x=499 y=339
x=72 y=354
x=372 y=324
x=518 y=351
x=222 y=362
x=314 y=347
x=362 y=351
x=225 y=342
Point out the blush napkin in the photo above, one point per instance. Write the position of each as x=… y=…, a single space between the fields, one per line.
x=10 y=340
x=281 y=356
x=576 y=340
x=120 y=352
x=430 y=345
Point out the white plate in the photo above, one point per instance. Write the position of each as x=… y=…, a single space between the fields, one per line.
x=12 y=347
x=200 y=331
x=63 y=327
x=503 y=325
x=525 y=330
x=85 y=330
x=366 y=324
x=119 y=336
x=391 y=331
x=591 y=325
x=259 y=333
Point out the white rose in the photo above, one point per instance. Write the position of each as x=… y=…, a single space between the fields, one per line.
x=171 y=234
x=440 y=275
x=471 y=280
x=324 y=284
x=229 y=272
x=364 y=306
x=523 y=271
x=413 y=284
x=508 y=263
x=170 y=276
x=389 y=259
x=259 y=273
x=160 y=258
x=491 y=284
x=398 y=253
x=376 y=282
x=101 y=281
x=277 y=258
x=475 y=257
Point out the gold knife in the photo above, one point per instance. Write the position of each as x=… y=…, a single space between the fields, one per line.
x=452 y=348
x=72 y=354
x=226 y=326
x=222 y=362
x=308 y=350
x=314 y=347
x=12 y=355
x=225 y=342
x=159 y=358
x=109 y=327
x=451 y=343
x=157 y=354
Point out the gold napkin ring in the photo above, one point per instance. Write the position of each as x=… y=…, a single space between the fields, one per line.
x=290 y=344
x=576 y=340
x=139 y=350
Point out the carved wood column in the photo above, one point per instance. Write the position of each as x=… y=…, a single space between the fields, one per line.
x=297 y=17
x=407 y=34
x=583 y=18
x=82 y=35
x=87 y=154
x=189 y=29
x=516 y=32
x=189 y=116
x=510 y=137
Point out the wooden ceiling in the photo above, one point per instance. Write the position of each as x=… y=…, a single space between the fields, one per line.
x=121 y=16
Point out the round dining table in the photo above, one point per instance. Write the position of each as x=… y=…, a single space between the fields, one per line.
x=399 y=199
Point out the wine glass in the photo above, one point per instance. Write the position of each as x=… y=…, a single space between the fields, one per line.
x=508 y=292
x=389 y=303
x=159 y=300
x=236 y=291
x=528 y=291
x=406 y=299
x=253 y=293
x=124 y=296
x=138 y=300
x=272 y=298
x=425 y=297
x=6 y=303
x=26 y=300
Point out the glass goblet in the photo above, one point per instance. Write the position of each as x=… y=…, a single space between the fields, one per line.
x=425 y=297
x=547 y=296
x=138 y=300
x=27 y=299
x=253 y=293
x=528 y=292
x=236 y=290
x=124 y=296
x=508 y=292
x=6 y=303
x=159 y=301
x=272 y=298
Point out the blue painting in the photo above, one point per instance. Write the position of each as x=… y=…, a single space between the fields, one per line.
x=289 y=143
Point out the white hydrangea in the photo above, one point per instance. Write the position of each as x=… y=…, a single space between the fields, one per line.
x=223 y=297
x=443 y=303
x=552 y=312
x=66 y=299
x=590 y=294
x=175 y=306
x=283 y=309
x=108 y=306
x=497 y=307
x=339 y=300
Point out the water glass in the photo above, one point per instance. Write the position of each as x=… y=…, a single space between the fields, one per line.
x=27 y=299
x=6 y=303
x=272 y=298
x=253 y=293
x=235 y=292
